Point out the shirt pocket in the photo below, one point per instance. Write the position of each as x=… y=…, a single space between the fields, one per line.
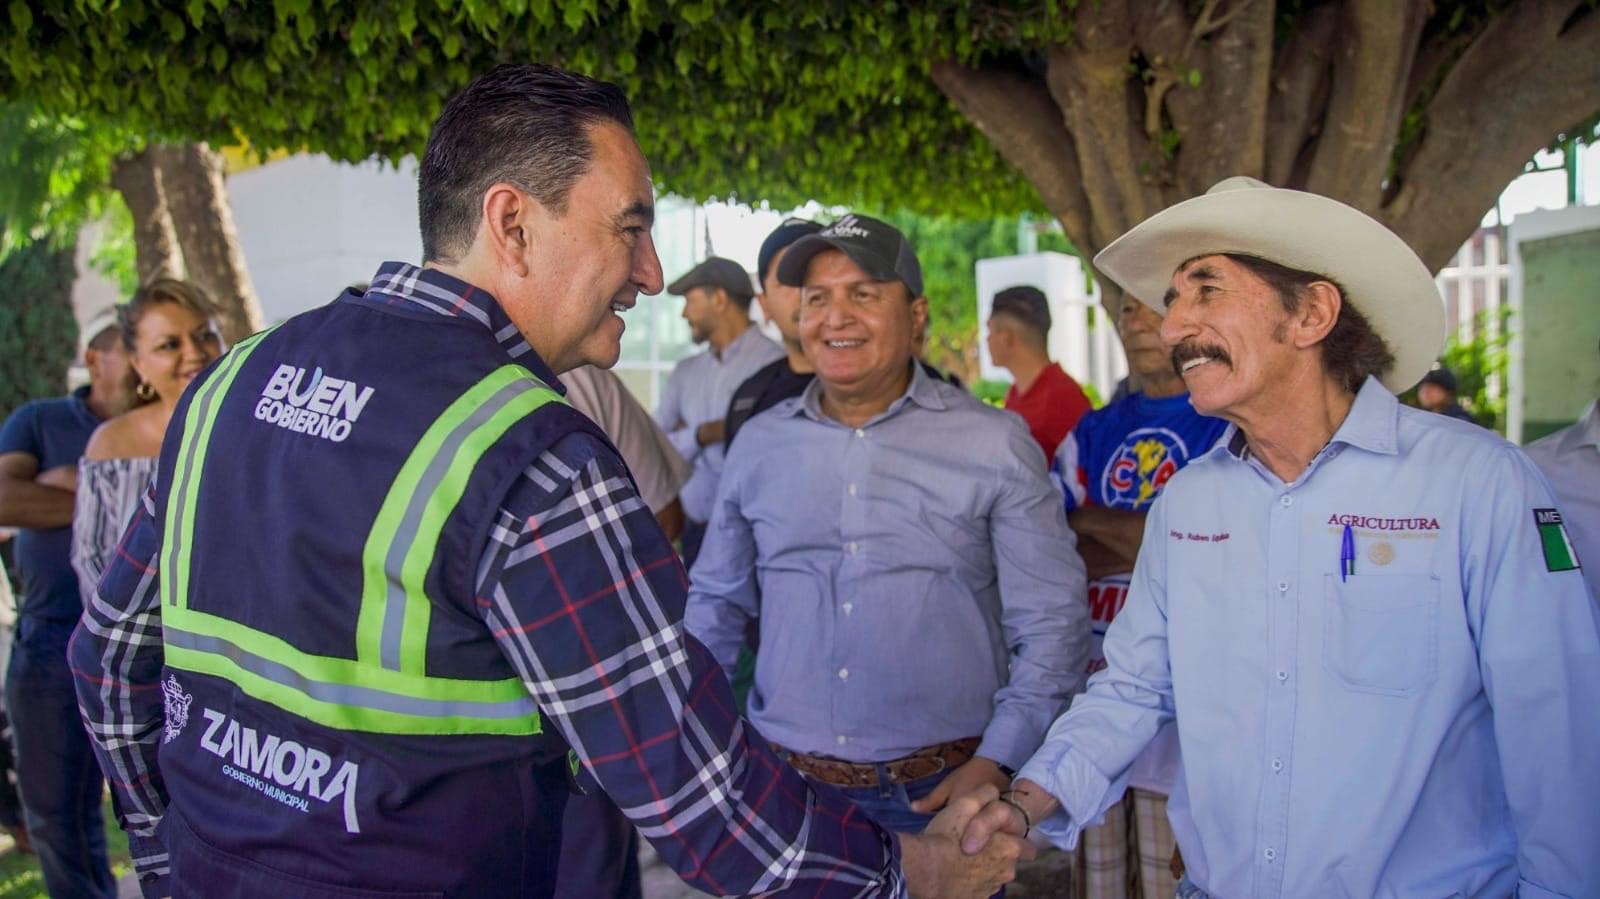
x=1380 y=631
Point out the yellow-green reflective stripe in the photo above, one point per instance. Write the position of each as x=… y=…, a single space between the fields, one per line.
x=201 y=415
x=392 y=629
x=343 y=693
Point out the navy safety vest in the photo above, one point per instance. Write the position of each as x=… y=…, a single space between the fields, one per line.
x=340 y=721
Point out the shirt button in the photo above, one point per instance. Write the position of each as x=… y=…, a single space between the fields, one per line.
x=844 y=673
x=852 y=489
x=848 y=607
x=850 y=547
x=1283 y=675
x=1270 y=853
x=1283 y=586
x=1277 y=764
x=860 y=433
x=1286 y=501
x=839 y=739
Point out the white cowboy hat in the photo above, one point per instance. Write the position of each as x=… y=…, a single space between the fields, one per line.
x=1380 y=274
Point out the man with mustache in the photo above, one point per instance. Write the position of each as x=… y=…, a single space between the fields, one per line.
x=1111 y=468
x=1366 y=620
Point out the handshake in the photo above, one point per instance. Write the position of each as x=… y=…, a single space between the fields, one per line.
x=972 y=848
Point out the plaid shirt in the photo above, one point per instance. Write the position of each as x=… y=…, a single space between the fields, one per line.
x=585 y=596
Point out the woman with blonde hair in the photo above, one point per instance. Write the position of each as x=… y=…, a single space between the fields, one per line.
x=170 y=333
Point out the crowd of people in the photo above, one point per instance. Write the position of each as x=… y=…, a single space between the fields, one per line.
x=409 y=596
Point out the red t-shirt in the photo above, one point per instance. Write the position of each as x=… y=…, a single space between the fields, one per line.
x=1051 y=406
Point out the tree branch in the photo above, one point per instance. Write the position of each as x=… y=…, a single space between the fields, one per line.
x=1017 y=115
x=1223 y=118
x=1123 y=171
x=191 y=176
x=1299 y=93
x=1468 y=152
x=155 y=243
x=1377 y=45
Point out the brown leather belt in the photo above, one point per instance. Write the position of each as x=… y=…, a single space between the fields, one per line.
x=919 y=764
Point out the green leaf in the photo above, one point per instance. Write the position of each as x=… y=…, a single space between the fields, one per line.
x=21 y=16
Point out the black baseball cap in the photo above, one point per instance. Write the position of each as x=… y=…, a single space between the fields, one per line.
x=1026 y=304
x=715 y=272
x=878 y=247
x=1441 y=377
x=782 y=236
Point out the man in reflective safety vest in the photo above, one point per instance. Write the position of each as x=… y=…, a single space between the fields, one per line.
x=387 y=577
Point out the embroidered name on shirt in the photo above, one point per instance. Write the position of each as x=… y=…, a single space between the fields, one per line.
x=1199 y=538
x=1373 y=523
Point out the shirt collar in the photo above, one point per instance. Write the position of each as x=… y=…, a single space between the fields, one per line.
x=1373 y=424
x=430 y=290
x=1586 y=432
x=923 y=390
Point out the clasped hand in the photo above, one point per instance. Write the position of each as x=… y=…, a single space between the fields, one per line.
x=936 y=867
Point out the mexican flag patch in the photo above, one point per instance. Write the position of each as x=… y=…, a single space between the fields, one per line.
x=1558 y=552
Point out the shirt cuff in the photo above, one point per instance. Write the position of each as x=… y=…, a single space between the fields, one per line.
x=1008 y=741
x=151 y=866
x=1076 y=784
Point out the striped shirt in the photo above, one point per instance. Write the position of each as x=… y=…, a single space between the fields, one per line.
x=585 y=597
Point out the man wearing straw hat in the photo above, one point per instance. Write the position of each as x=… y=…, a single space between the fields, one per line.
x=1366 y=620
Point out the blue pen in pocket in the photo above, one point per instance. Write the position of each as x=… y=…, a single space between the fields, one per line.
x=1347 y=554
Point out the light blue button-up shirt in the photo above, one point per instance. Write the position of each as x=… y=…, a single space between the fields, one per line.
x=699 y=390
x=1426 y=726
x=914 y=578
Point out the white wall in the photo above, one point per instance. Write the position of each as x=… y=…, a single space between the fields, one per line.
x=310 y=227
x=1082 y=337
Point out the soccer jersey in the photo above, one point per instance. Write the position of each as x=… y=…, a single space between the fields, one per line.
x=1121 y=456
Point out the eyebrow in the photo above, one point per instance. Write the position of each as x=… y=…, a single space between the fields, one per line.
x=638 y=210
x=1201 y=274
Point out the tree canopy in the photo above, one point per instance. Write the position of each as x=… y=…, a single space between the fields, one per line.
x=751 y=101
x=1099 y=111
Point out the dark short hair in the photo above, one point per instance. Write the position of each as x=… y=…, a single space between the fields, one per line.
x=527 y=125
x=1025 y=304
x=1352 y=351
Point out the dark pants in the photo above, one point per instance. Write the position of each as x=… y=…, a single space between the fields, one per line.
x=599 y=851
x=57 y=773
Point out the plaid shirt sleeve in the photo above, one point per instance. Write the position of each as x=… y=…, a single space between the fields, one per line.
x=116 y=661
x=586 y=599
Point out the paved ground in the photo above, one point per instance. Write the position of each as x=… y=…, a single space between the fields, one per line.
x=1047 y=877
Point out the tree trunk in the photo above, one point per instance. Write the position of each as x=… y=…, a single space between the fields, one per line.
x=1396 y=107
x=155 y=242
x=191 y=176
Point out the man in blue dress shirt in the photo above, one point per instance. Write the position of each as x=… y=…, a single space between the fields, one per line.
x=920 y=604
x=1365 y=619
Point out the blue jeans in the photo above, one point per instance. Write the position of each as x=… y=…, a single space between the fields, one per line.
x=57 y=773
x=890 y=804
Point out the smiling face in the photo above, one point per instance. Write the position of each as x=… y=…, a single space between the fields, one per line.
x=857 y=331
x=1225 y=332
x=172 y=344
x=582 y=268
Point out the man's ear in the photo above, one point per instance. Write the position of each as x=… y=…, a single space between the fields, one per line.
x=506 y=227
x=919 y=315
x=1320 y=303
